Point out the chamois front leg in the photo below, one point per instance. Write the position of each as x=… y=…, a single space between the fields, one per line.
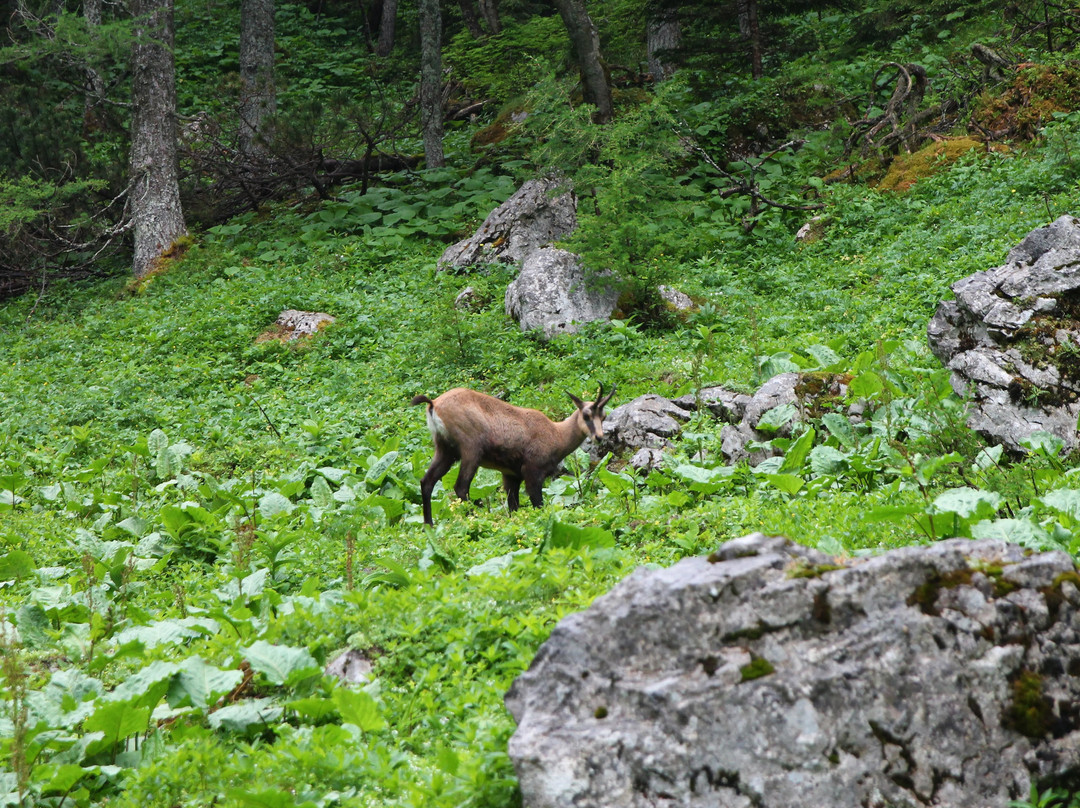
x=512 y=484
x=440 y=464
x=534 y=486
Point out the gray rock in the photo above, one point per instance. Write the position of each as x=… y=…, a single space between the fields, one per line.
x=679 y=301
x=468 y=299
x=766 y=675
x=647 y=459
x=294 y=324
x=780 y=389
x=1011 y=338
x=351 y=666
x=727 y=405
x=647 y=422
x=554 y=293
x=533 y=217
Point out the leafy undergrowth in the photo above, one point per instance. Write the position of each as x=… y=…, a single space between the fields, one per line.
x=194 y=523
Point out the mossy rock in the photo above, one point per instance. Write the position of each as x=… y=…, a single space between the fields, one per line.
x=1037 y=92
x=907 y=169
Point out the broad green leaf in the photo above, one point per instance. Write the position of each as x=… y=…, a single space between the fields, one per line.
x=271 y=798
x=358 y=708
x=116 y=720
x=247 y=715
x=796 y=454
x=273 y=503
x=968 y=502
x=788 y=483
x=1018 y=531
x=16 y=564
x=497 y=564
x=773 y=420
x=58 y=778
x=866 y=385
x=1066 y=500
x=701 y=479
x=199 y=684
x=332 y=474
x=377 y=473
x=988 y=457
x=314 y=709
x=825 y=356
x=615 y=483
x=156 y=443
x=281 y=664
x=574 y=537
x=146 y=686
x=827 y=460
x=1044 y=443
x=168 y=463
x=841 y=429
x=321 y=494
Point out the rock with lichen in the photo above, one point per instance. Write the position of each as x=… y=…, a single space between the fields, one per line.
x=1011 y=338
x=768 y=675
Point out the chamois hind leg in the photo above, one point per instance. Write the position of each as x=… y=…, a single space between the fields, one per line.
x=440 y=464
x=466 y=472
x=512 y=484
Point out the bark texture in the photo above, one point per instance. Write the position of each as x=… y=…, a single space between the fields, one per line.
x=431 y=113
x=585 y=42
x=156 y=214
x=751 y=30
x=387 y=24
x=663 y=37
x=258 y=95
x=489 y=10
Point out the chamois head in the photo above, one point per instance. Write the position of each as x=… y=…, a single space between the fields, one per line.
x=592 y=412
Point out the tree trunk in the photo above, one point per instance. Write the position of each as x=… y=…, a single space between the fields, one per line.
x=472 y=20
x=258 y=95
x=95 y=85
x=489 y=10
x=749 y=28
x=154 y=190
x=387 y=23
x=585 y=42
x=431 y=112
x=664 y=36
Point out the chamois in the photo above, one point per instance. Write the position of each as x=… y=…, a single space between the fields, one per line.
x=525 y=445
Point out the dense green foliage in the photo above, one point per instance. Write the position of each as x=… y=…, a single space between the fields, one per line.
x=195 y=521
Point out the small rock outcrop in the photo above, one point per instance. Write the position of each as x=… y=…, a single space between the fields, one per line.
x=555 y=294
x=293 y=324
x=1011 y=338
x=533 y=217
x=768 y=675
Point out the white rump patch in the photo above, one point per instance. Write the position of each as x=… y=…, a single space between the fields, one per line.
x=436 y=426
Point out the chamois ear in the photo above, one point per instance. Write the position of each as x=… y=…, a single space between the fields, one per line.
x=601 y=399
x=577 y=401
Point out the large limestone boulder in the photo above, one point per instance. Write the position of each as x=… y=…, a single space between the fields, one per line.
x=1011 y=338
x=554 y=294
x=772 y=676
x=535 y=216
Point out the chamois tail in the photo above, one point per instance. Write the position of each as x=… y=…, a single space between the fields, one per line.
x=421 y=399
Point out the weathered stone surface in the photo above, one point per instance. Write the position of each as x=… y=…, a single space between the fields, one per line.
x=647 y=422
x=350 y=666
x=293 y=324
x=762 y=676
x=554 y=294
x=679 y=301
x=468 y=299
x=533 y=217
x=1011 y=338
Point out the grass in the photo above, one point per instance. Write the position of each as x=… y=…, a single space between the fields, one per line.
x=169 y=477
